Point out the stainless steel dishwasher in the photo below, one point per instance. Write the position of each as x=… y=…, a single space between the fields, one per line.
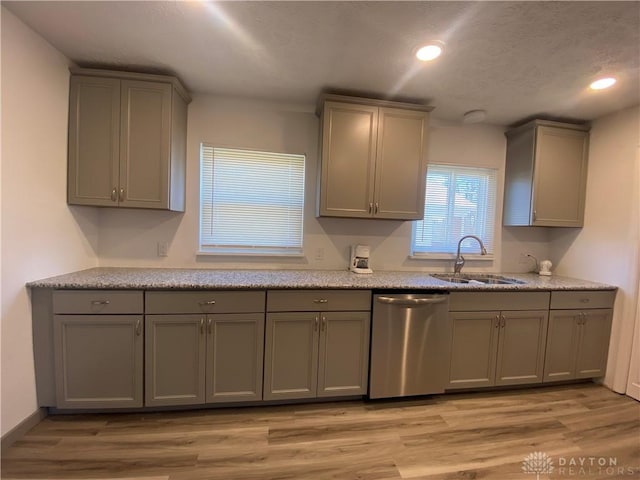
x=410 y=344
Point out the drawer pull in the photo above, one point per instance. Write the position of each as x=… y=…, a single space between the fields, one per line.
x=204 y=302
x=321 y=300
x=584 y=300
x=97 y=303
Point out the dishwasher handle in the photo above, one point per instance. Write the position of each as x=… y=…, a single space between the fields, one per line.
x=412 y=301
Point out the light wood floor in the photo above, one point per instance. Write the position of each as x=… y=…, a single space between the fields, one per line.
x=455 y=436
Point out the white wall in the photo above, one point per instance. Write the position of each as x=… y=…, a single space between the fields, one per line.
x=129 y=238
x=607 y=248
x=41 y=235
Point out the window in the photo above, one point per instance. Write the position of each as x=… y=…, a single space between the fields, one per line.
x=250 y=202
x=458 y=201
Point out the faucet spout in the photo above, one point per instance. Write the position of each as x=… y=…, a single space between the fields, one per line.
x=459 y=263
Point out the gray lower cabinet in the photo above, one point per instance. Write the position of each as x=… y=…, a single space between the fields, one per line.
x=196 y=358
x=578 y=340
x=319 y=353
x=98 y=349
x=497 y=347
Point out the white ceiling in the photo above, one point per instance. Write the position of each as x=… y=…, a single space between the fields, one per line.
x=514 y=59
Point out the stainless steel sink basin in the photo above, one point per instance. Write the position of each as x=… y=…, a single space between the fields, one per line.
x=487 y=279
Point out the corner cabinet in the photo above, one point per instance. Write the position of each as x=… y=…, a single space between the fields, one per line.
x=317 y=344
x=579 y=333
x=546 y=174
x=373 y=158
x=127 y=140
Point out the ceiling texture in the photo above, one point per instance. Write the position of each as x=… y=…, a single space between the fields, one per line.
x=516 y=60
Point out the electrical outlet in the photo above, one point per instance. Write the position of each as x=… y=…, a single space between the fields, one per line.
x=163 y=249
x=319 y=255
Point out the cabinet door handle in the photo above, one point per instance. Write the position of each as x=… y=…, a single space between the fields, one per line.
x=377 y=208
x=210 y=326
x=320 y=300
x=316 y=324
x=99 y=302
x=202 y=325
x=502 y=321
x=324 y=323
x=497 y=321
x=138 y=329
x=114 y=194
x=122 y=194
x=371 y=208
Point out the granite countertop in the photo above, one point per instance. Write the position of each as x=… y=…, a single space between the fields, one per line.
x=190 y=279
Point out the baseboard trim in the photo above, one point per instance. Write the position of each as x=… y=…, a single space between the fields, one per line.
x=17 y=432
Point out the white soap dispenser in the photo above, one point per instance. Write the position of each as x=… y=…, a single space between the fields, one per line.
x=545 y=268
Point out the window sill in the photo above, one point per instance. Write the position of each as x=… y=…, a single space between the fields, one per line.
x=231 y=252
x=450 y=257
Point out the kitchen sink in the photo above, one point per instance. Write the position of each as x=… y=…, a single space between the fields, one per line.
x=487 y=279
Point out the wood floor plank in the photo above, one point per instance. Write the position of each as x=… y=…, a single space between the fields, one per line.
x=455 y=436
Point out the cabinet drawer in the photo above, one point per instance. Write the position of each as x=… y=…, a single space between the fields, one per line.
x=97 y=301
x=318 y=300
x=478 y=301
x=204 y=302
x=583 y=299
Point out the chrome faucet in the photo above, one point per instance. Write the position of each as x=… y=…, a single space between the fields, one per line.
x=457 y=266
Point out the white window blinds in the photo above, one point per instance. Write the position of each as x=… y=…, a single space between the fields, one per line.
x=458 y=201
x=250 y=202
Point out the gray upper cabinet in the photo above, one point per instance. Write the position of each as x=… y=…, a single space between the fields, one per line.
x=321 y=353
x=546 y=174
x=374 y=158
x=98 y=349
x=127 y=140
x=579 y=333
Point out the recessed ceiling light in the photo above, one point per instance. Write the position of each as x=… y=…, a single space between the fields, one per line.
x=430 y=51
x=602 y=83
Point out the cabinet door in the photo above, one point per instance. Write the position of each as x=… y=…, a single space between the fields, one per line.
x=348 y=159
x=473 y=349
x=175 y=359
x=343 y=353
x=521 y=347
x=562 y=345
x=291 y=355
x=560 y=175
x=401 y=165
x=94 y=139
x=593 y=347
x=98 y=360
x=235 y=345
x=145 y=144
